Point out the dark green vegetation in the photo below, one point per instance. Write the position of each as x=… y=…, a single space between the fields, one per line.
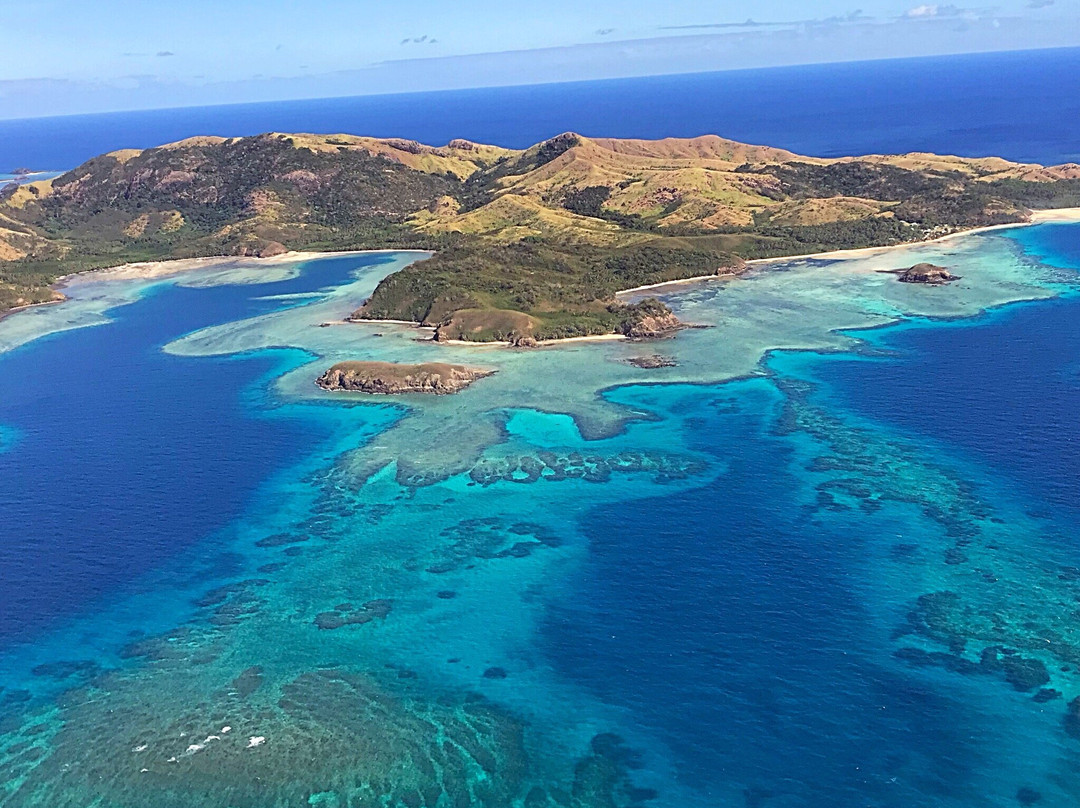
x=939 y=199
x=566 y=291
x=529 y=244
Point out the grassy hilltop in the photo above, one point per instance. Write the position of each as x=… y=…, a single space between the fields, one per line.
x=529 y=243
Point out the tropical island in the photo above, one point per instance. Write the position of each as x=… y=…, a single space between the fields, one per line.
x=528 y=245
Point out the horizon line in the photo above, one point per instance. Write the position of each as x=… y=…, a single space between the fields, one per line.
x=527 y=84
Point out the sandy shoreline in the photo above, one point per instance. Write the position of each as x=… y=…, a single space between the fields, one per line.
x=539 y=343
x=1062 y=215
x=420 y=327
x=169 y=267
x=17 y=309
x=144 y=270
x=162 y=269
x=150 y=270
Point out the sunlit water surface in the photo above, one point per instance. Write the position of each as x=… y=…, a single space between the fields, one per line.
x=809 y=565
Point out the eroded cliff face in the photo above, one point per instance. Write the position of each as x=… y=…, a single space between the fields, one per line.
x=648 y=319
x=388 y=378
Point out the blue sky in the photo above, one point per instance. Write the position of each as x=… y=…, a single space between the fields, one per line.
x=62 y=56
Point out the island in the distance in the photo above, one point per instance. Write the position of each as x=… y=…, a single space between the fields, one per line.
x=528 y=245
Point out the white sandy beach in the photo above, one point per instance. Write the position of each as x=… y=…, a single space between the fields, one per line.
x=161 y=269
x=145 y=270
x=540 y=343
x=1062 y=215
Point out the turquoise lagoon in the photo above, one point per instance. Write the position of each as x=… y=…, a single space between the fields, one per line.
x=829 y=558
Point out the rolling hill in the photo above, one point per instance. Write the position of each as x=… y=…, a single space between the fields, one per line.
x=529 y=244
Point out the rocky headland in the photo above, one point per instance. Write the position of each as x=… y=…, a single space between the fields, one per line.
x=649 y=319
x=389 y=378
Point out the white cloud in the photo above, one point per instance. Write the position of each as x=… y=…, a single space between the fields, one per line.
x=901 y=36
x=929 y=12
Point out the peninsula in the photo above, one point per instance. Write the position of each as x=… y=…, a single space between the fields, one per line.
x=529 y=245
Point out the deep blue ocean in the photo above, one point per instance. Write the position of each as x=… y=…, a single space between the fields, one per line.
x=1015 y=105
x=821 y=612
x=742 y=606
x=126 y=462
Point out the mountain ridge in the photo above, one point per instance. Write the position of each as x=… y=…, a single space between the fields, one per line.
x=549 y=232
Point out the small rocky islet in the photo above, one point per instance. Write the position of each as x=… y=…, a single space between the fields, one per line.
x=925 y=273
x=652 y=362
x=390 y=378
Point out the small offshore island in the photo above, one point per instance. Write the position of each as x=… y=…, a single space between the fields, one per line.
x=929 y=274
x=529 y=245
x=388 y=378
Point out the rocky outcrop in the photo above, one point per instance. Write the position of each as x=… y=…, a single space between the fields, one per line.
x=257 y=248
x=523 y=341
x=652 y=362
x=647 y=319
x=653 y=327
x=389 y=378
x=486 y=325
x=736 y=266
x=930 y=274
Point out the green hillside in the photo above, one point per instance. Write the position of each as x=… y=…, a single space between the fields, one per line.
x=529 y=243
